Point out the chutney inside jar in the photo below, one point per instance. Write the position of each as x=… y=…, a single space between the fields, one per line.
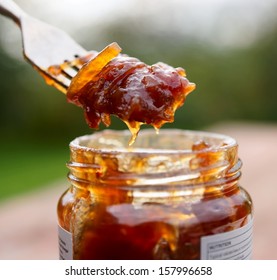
x=155 y=200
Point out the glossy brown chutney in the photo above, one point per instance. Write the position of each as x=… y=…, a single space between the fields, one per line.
x=155 y=200
x=131 y=90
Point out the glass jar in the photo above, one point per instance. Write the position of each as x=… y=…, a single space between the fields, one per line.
x=172 y=195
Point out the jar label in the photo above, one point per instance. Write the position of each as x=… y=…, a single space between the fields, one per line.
x=231 y=245
x=65 y=244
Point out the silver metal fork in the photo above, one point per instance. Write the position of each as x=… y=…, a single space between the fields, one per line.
x=50 y=50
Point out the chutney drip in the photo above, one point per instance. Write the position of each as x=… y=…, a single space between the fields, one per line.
x=134 y=92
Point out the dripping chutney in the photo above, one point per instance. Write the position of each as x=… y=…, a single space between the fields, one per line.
x=137 y=93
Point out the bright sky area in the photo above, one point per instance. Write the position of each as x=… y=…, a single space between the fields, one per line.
x=227 y=23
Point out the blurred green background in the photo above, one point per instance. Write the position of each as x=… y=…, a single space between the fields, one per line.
x=228 y=49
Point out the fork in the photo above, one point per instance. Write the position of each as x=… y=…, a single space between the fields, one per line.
x=50 y=50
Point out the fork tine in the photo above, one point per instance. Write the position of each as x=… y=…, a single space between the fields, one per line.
x=69 y=72
x=60 y=76
x=60 y=82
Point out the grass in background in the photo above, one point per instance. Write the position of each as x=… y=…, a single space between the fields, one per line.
x=29 y=166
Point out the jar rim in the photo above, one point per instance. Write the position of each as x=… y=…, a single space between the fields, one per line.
x=107 y=141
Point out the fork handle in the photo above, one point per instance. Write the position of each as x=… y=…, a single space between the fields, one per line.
x=10 y=9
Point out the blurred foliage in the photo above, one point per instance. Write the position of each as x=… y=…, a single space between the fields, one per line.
x=29 y=166
x=232 y=84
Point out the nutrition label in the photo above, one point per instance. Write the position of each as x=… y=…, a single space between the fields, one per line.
x=232 y=245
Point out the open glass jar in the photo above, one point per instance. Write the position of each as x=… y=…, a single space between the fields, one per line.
x=175 y=195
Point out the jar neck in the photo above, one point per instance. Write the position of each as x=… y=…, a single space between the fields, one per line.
x=182 y=162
